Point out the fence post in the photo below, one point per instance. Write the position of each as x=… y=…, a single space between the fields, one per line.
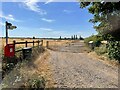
x=47 y=44
x=33 y=43
x=26 y=43
x=42 y=43
x=14 y=42
x=38 y=42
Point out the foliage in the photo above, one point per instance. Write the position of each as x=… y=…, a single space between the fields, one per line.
x=106 y=20
x=113 y=47
x=96 y=40
x=101 y=50
x=36 y=83
x=81 y=38
x=109 y=37
x=60 y=38
x=72 y=37
x=33 y=37
x=105 y=14
x=114 y=50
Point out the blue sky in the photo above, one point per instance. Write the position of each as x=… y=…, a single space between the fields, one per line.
x=46 y=20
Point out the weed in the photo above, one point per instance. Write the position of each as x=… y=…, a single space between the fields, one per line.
x=100 y=50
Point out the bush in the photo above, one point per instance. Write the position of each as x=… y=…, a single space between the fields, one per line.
x=113 y=47
x=101 y=50
x=36 y=83
x=95 y=38
x=114 y=50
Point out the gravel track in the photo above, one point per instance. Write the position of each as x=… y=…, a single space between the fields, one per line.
x=72 y=68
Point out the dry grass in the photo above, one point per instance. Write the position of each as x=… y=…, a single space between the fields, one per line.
x=104 y=59
x=43 y=68
x=58 y=42
x=36 y=69
x=10 y=41
x=51 y=42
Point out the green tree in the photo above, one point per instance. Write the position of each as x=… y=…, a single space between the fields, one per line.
x=106 y=21
x=33 y=37
x=106 y=15
x=74 y=37
x=60 y=38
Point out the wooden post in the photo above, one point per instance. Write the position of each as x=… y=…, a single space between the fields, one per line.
x=33 y=43
x=38 y=42
x=14 y=42
x=47 y=44
x=26 y=43
x=41 y=42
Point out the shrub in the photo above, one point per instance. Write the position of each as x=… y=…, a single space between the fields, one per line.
x=95 y=38
x=101 y=50
x=114 y=50
x=113 y=47
x=36 y=83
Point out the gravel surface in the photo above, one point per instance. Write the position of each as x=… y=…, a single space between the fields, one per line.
x=74 y=47
x=72 y=68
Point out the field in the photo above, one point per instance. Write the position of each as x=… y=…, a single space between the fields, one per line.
x=66 y=64
x=51 y=42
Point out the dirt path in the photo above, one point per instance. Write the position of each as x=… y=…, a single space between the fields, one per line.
x=66 y=66
x=71 y=67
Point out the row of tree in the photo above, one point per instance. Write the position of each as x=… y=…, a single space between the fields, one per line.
x=73 y=37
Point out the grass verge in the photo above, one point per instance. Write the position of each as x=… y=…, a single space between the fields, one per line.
x=24 y=75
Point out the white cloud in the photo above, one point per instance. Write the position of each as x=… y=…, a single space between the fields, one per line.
x=9 y=17
x=2 y=24
x=49 y=1
x=33 y=6
x=52 y=31
x=47 y=20
x=47 y=29
x=67 y=11
x=48 y=32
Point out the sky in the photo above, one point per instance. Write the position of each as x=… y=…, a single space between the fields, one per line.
x=46 y=19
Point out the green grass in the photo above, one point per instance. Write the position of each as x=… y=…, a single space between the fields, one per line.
x=101 y=49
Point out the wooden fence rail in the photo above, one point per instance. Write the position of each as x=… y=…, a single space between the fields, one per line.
x=26 y=43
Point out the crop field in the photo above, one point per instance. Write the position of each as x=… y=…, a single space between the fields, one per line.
x=10 y=41
x=19 y=46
